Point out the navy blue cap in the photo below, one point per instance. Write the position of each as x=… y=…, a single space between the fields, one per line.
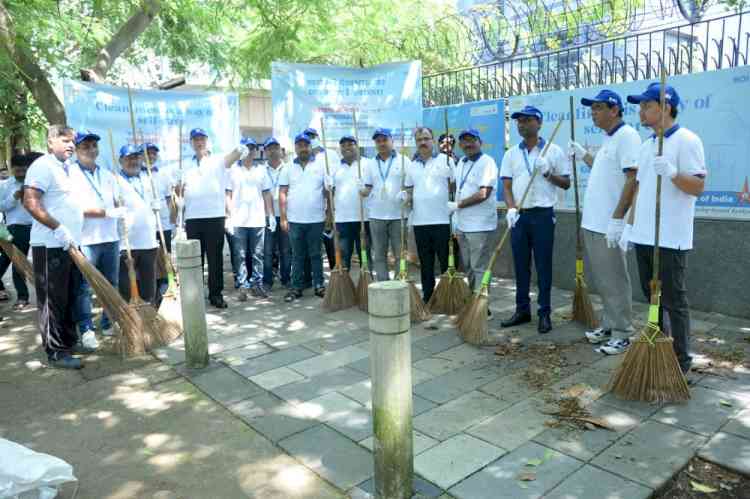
x=270 y=141
x=311 y=132
x=248 y=141
x=652 y=93
x=130 y=150
x=81 y=136
x=302 y=136
x=528 y=111
x=151 y=145
x=605 y=96
x=197 y=132
x=471 y=132
x=348 y=138
x=383 y=132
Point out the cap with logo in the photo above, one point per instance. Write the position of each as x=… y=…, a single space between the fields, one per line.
x=605 y=96
x=528 y=111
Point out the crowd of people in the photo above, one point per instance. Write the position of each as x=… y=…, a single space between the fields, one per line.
x=276 y=217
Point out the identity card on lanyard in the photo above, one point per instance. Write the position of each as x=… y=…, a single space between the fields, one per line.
x=464 y=175
x=384 y=178
x=94 y=180
x=274 y=179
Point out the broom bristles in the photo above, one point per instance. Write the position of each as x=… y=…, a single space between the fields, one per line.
x=451 y=294
x=471 y=322
x=583 y=309
x=418 y=312
x=363 y=283
x=20 y=262
x=650 y=372
x=340 y=294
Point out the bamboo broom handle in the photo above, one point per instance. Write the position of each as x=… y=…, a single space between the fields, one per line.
x=402 y=263
x=362 y=232
x=655 y=281
x=579 y=241
x=451 y=197
x=332 y=218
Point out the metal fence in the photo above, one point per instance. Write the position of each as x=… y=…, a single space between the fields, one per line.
x=707 y=45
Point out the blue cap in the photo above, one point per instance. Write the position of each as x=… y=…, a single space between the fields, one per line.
x=348 y=138
x=197 y=132
x=471 y=132
x=270 y=141
x=605 y=96
x=130 y=150
x=528 y=111
x=652 y=93
x=151 y=145
x=302 y=136
x=383 y=132
x=81 y=136
x=311 y=132
x=248 y=141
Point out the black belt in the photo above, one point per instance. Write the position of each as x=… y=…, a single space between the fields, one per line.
x=536 y=209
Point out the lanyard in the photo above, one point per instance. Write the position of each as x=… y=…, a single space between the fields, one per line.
x=526 y=160
x=273 y=178
x=465 y=176
x=94 y=179
x=140 y=192
x=522 y=146
x=387 y=170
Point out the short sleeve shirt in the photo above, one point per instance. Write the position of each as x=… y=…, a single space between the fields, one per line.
x=137 y=197
x=205 y=187
x=386 y=178
x=430 y=190
x=346 y=193
x=98 y=189
x=274 y=174
x=471 y=176
x=518 y=165
x=247 y=186
x=15 y=213
x=305 y=196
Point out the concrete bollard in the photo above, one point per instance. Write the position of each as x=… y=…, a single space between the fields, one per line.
x=193 y=307
x=390 y=370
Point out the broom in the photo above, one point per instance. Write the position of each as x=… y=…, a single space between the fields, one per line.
x=20 y=262
x=583 y=310
x=472 y=320
x=452 y=292
x=340 y=293
x=417 y=310
x=650 y=371
x=365 y=275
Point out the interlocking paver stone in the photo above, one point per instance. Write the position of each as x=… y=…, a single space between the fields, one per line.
x=331 y=455
x=276 y=377
x=362 y=393
x=728 y=450
x=244 y=353
x=455 y=383
x=273 y=417
x=329 y=360
x=511 y=388
x=449 y=419
x=226 y=386
x=342 y=414
x=739 y=425
x=420 y=442
x=650 y=454
x=592 y=483
x=705 y=412
x=501 y=478
x=439 y=342
x=512 y=427
x=329 y=381
x=453 y=460
x=337 y=342
x=642 y=409
x=273 y=360
x=422 y=489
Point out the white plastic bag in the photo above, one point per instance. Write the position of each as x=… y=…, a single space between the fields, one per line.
x=25 y=474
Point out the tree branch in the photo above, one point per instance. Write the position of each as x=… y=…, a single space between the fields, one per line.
x=122 y=40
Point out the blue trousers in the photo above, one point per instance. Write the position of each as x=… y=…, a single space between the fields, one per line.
x=305 y=240
x=277 y=243
x=248 y=249
x=534 y=233
x=106 y=258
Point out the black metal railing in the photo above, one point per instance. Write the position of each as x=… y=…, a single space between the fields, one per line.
x=707 y=45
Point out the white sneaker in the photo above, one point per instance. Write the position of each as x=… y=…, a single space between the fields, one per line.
x=598 y=335
x=110 y=331
x=614 y=347
x=88 y=340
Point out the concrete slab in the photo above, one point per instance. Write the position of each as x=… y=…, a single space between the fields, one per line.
x=650 y=454
x=329 y=360
x=328 y=381
x=608 y=486
x=514 y=426
x=455 y=459
x=451 y=418
x=642 y=409
x=590 y=384
x=273 y=417
x=243 y=354
x=705 y=412
x=420 y=443
x=338 y=341
x=422 y=488
x=510 y=389
x=264 y=363
x=728 y=450
x=504 y=475
x=739 y=425
x=226 y=386
x=439 y=342
x=276 y=377
x=342 y=414
x=330 y=455
x=362 y=393
x=455 y=383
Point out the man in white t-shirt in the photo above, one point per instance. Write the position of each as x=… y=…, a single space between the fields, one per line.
x=533 y=224
x=100 y=241
x=384 y=182
x=276 y=243
x=301 y=193
x=251 y=209
x=682 y=167
x=428 y=183
x=51 y=197
x=348 y=180
x=203 y=187
x=234 y=260
x=475 y=206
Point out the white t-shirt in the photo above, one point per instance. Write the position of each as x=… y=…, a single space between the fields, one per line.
x=137 y=197
x=58 y=182
x=165 y=180
x=15 y=213
x=617 y=155
x=346 y=195
x=518 y=165
x=98 y=190
x=274 y=174
x=684 y=149
x=385 y=178
x=305 y=197
x=247 y=186
x=430 y=193
x=471 y=176
x=205 y=188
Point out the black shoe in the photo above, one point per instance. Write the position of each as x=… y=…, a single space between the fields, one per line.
x=63 y=360
x=79 y=349
x=292 y=295
x=517 y=319
x=259 y=292
x=218 y=302
x=320 y=292
x=545 y=324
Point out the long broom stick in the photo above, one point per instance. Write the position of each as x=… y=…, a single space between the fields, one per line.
x=583 y=310
x=650 y=370
x=365 y=275
x=340 y=293
x=472 y=321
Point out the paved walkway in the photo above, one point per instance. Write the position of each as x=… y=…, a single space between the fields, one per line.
x=296 y=382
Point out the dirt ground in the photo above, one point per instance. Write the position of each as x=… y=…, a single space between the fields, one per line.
x=701 y=479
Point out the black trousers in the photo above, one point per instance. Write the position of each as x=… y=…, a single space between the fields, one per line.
x=330 y=254
x=21 y=235
x=349 y=238
x=432 y=241
x=163 y=284
x=56 y=279
x=676 y=321
x=145 y=274
x=210 y=233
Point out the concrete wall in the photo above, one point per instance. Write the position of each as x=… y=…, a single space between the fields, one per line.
x=718 y=277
